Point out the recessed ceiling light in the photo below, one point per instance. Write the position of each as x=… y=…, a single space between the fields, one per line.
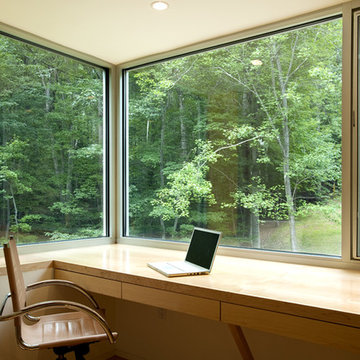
x=159 y=5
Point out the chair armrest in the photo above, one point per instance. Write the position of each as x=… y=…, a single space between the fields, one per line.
x=60 y=304
x=55 y=282
x=4 y=303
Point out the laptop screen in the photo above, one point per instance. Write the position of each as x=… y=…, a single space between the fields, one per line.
x=202 y=247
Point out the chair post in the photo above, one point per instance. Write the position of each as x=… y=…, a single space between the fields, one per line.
x=60 y=352
x=81 y=350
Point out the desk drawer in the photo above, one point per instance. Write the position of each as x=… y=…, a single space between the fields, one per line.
x=316 y=331
x=91 y=283
x=187 y=304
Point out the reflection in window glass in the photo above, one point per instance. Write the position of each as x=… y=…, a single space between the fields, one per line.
x=51 y=145
x=245 y=139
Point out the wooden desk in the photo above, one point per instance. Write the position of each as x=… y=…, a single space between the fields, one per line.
x=315 y=304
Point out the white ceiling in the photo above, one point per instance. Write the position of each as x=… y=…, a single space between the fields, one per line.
x=122 y=30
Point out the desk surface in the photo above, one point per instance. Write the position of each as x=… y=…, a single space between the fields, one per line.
x=326 y=294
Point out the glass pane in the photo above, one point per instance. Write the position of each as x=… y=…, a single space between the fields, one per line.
x=51 y=145
x=245 y=139
x=358 y=108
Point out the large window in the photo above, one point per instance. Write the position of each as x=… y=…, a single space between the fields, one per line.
x=244 y=138
x=356 y=113
x=52 y=145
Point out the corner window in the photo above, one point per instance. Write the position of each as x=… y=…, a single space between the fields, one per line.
x=244 y=139
x=53 y=127
x=356 y=108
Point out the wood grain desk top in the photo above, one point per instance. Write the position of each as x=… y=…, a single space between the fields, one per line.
x=327 y=294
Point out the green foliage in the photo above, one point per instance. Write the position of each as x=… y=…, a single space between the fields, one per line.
x=264 y=203
x=237 y=137
x=185 y=185
x=331 y=210
x=81 y=233
x=60 y=236
x=317 y=227
x=51 y=143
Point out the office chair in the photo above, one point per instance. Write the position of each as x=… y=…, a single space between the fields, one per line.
x=63 y=331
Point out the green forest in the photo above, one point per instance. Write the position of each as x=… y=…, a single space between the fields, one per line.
x=51 y=145
x=245 y=139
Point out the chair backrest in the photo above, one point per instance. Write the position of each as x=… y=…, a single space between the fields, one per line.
x=15 y=276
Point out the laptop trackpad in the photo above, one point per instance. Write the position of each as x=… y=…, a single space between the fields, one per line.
x=185 y=266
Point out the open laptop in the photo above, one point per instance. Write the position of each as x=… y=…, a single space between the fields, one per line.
x=199 y=258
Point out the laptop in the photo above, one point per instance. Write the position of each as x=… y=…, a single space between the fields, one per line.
x=199 y=258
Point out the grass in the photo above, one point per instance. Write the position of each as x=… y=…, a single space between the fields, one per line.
x=314 y=234
x=318 y=231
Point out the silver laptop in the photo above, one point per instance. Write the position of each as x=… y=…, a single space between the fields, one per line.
x=199 y=258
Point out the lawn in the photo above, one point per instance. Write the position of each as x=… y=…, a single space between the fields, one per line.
x=318 y=231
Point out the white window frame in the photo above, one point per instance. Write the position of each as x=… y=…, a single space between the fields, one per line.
x=60 y=245
x=349 y=145
x=349 y=168
x=355 y=133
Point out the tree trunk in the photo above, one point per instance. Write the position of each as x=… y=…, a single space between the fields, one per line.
x=162 y=163
x=200 y=205
x=182 y=127
x=183 y=139
x=100 y=137
x=69 y=187
x=254 y=232
x=286 y=151
x=3 y=217
x=15 y=209
x=175 y=224
x=147 y=130
x=7 y=227
x=3 y=209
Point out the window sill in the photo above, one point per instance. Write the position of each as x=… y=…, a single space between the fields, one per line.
x=256 y=254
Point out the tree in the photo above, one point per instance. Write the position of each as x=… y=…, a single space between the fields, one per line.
x=279 y=87
x=51 y=139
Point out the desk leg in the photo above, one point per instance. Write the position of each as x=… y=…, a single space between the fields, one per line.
x=241 y=342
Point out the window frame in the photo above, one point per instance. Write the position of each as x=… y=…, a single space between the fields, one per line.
x=108 y=126
x=355 y=135
x=347 y=259
x=116 y=143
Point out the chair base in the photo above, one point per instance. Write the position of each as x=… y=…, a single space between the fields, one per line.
x=79 y=350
